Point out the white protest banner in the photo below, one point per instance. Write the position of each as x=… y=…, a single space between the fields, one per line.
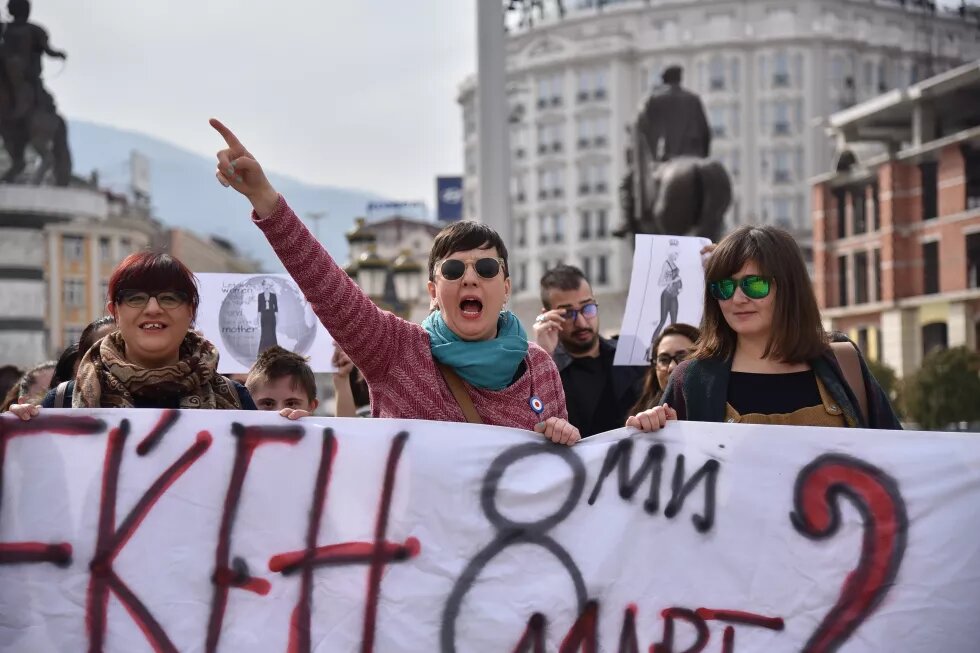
x=245 y=314
x=136 y=530
x=666 y=286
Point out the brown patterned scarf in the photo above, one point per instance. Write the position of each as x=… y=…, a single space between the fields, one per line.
x=107 y=379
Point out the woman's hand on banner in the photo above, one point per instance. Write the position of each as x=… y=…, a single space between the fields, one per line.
x=238 y=169
x=653 y=419
x=25 y=411
x=558 y=430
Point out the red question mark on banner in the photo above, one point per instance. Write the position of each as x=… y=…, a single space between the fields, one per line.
x=819 y=488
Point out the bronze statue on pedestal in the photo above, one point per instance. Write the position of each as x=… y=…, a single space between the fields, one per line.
x=672 y=187
x=27 y=111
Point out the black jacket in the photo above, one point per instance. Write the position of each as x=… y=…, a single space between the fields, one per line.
x=627 y=380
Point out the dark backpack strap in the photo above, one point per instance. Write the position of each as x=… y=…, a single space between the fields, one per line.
x=850 y=364
x=59 y=395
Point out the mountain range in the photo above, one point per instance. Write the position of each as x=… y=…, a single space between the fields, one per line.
x=184 y=192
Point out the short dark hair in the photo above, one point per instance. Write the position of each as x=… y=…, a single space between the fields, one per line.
x=153 y=271
x=796 y=335
x=65 y=369
x=560 y=277
x=652 y=392
x=672 y=75
x=88 y=338
x=276 y=363
x=463 y=236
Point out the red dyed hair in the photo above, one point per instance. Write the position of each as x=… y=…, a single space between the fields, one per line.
x=153 y=272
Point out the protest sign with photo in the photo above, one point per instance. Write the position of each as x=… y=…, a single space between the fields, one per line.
x=245 y=314
x=139 y=530
x=666 y=287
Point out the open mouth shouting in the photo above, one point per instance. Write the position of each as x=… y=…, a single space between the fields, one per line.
x=471 y=308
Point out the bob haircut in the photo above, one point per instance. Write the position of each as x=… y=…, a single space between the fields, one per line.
x=464 y=236
x=796 y=334
x=153 y=272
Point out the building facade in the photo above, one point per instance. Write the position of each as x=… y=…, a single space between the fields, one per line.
x=897 y=223
x=206 y=253
x=768 y=73
x=81 y=256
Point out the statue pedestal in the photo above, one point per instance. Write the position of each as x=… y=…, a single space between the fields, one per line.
x=24 y=306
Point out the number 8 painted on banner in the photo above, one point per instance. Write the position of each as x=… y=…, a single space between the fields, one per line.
x=510 y=532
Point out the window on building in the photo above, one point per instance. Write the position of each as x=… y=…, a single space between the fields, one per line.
x=587 y=267
x=522 y=276
x=842 y=281
x=876 y=272
x=105 y=249
x=930 y=267
x=780 y=121
x=763 y=65
x=72 y=248
x=543 y=229
x=875 y=207
x=716 y=118
x=518 y=188
x=549 y=137
x=602 y=273
x=585 y=225
x=593 y=177
x=858 y=202
x=840 y=199
x=971 y=164
x=863 y=341
x=780 y=70
x=558 y=220
x=782 y=173
x=104 y=290
x=73 y=293
x=592 y=84
x=860 y=277
x=935 y=337
x=518 y=142
x=973 y=260
x=716 y=73
x=550 y=90
x=599 y=131
x=601 y=227
x=520 y=229
x=929 y=174
x=782 y=209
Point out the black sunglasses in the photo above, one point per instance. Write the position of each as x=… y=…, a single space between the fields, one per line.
x=754 y=286
x=167 y=299
x=453 y=269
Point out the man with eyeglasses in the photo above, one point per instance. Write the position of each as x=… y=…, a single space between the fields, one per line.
x=598 y=394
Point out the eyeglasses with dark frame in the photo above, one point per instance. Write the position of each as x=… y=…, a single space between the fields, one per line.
x=588 y=311
x=665 y=359
x=453 y=269
x=167 y=299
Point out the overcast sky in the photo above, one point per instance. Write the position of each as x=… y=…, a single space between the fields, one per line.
x=354 y=93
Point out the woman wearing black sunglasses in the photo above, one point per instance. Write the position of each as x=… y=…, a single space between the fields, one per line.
x=469 y=361
x=763 y=356
x=152 y=359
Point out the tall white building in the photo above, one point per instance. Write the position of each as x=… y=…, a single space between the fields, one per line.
x=769 y=72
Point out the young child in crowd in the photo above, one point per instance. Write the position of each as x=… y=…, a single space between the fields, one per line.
x=282 y=381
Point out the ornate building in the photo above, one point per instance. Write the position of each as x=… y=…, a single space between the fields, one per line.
x=769 y=74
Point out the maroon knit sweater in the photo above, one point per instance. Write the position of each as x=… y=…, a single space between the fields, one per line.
x=393 y=354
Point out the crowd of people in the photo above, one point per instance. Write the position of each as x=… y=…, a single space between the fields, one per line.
x=760 y=355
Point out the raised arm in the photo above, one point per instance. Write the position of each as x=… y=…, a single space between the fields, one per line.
x=371 y=337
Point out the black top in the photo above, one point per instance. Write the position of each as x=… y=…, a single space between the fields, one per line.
x=590 y=396
x=773 y=394
x=146 y=402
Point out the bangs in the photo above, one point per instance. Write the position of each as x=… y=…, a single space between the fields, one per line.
x=746 y=244
x=153 y=272
x=462 y=237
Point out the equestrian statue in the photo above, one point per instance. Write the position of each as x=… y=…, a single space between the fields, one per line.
x=28 y=115
x=673 y=188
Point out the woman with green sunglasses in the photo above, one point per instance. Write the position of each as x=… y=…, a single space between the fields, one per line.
x=763 y=356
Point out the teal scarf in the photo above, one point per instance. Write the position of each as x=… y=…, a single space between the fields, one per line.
x=486 y=364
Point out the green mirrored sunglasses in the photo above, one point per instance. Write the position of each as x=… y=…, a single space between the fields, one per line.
x=753 y=285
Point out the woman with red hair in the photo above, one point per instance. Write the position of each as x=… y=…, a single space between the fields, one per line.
x=153 y=359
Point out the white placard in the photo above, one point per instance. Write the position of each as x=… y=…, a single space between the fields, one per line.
x=666 y=287
x=243 y=314
x=129 y=531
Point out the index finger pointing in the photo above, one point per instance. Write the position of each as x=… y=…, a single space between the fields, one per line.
x=226 y=134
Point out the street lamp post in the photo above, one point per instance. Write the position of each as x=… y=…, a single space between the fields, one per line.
x=394 y=285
